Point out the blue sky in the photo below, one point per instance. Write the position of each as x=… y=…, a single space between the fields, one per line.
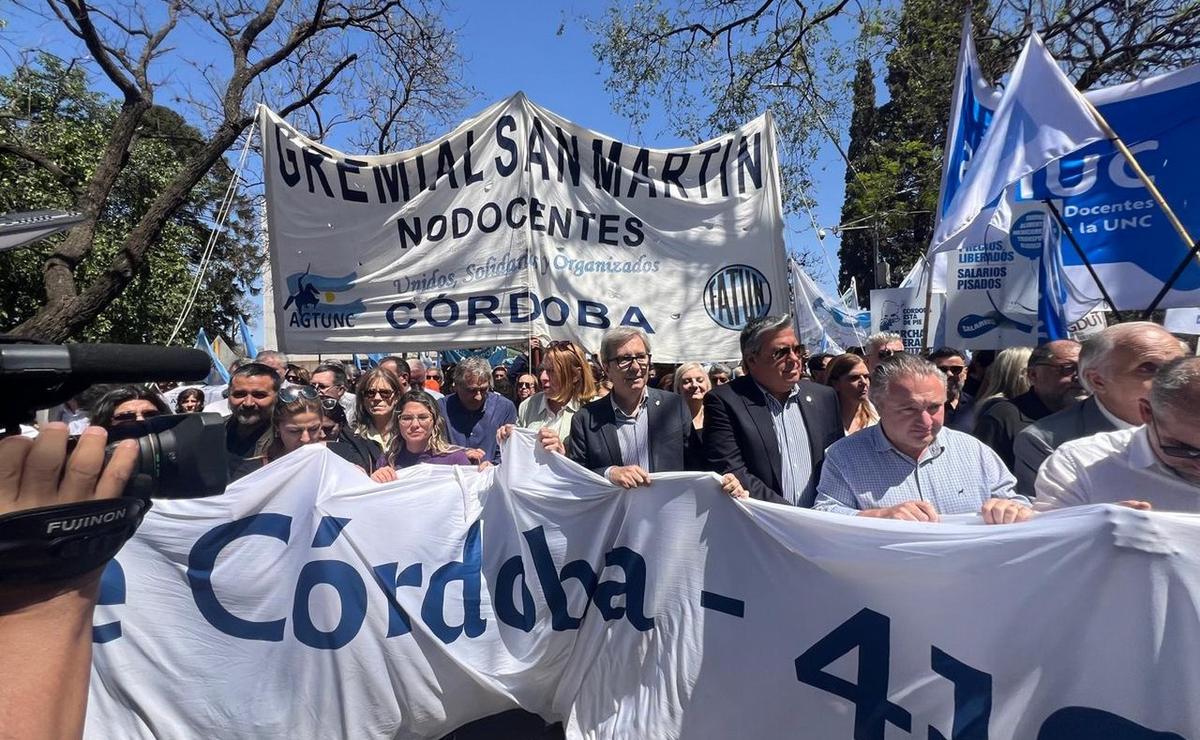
x=543 y=49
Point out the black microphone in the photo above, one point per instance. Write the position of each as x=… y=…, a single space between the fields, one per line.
x=36 y=376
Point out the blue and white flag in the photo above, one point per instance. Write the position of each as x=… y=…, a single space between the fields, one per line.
x=971 y=109
x=217 y=375
x=825 y=324
x=1119 y=228
x=248 y=343
x=1041 y=118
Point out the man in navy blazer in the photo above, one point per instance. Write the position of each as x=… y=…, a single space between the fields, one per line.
x=769 y=428
x=635 y=430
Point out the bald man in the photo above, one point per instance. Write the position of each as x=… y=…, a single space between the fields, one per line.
x=1117 y=366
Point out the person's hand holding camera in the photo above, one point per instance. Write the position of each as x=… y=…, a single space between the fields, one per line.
x=45 y=628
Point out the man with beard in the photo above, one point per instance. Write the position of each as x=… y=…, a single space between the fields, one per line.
x=253 y=388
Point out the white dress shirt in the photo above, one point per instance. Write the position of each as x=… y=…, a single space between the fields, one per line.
x=1109 y=467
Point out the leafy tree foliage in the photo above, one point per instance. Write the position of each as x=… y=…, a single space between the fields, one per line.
x=50 y=103
x=383 y=67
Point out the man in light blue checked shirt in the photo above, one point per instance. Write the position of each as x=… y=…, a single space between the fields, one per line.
x=908 y=466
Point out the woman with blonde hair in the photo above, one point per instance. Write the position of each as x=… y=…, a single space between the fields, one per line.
x=1006 y=377
x=375 y=404
x=691 y=381
x=567 y=378
x=295 y=422
x=848 y=375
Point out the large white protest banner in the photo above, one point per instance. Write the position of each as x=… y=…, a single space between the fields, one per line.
x=518 y=223
x=309 y=603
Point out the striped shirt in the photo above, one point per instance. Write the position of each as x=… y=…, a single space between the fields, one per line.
x=795 y=456
x=956 y=473
x=633 y=433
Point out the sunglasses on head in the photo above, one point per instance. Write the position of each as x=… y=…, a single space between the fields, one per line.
x=294 y=392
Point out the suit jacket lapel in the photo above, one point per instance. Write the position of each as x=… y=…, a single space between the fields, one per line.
x=607 y=422
x=814 y=440
x=756 y=407
x=654 y=411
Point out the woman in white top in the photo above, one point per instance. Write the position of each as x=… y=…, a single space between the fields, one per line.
x=567 y=378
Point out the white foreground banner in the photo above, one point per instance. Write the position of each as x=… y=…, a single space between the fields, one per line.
x=520 y=223
x=309 y=603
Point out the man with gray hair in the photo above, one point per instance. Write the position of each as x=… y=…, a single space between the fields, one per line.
x=635 y=430
x=277 y=361
x=1117 y=366
x=1155 y=466
x=474 y=413
x=770 y=428
x=909 y=466
x=880 y=346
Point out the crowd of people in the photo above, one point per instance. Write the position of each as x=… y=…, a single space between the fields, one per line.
x=873 y=432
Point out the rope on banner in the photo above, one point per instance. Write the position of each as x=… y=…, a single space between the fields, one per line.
x=215 y=233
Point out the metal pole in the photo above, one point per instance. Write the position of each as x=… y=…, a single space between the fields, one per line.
x=1079 y=251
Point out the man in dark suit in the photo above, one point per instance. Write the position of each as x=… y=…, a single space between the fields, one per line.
x=1117 y=365
x=769 y=428
x=635 y=430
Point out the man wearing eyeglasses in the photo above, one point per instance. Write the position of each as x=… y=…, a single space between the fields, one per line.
x=1118 y=366
x=1053 y=372
x=770 y=428
x=253 y=388
x=636 y=430
x=330 y=382
x=880 y=346
x=1155 y=466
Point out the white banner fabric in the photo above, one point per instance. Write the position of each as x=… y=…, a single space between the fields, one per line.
x=309 y=603
x=521 y=223
x=1182 y=320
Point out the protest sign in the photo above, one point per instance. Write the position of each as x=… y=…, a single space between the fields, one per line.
x=902 y=311
x=992 y=284
x=1182 y=320
x=520 y=223
x=309 y=603
x=1090 y=325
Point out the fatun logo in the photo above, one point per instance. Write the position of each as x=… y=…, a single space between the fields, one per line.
x=736 y=295
x=313 y=301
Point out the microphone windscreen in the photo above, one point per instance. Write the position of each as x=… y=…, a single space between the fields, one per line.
x=137 y=363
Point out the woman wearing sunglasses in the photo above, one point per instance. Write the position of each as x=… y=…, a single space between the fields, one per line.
x=126 y=404
x=567 y=379
x=375 y=406
x=422 y=438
